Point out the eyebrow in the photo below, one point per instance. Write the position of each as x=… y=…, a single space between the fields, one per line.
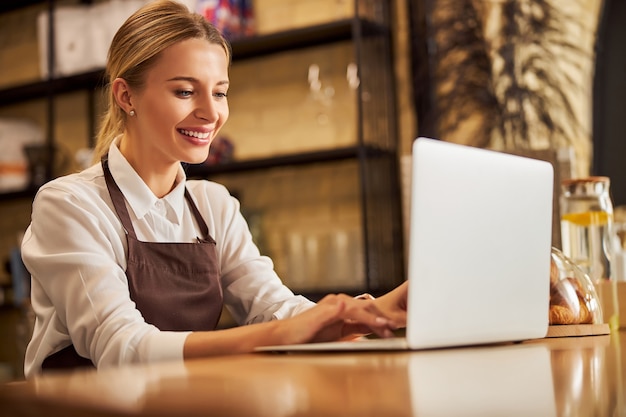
x=195 y=80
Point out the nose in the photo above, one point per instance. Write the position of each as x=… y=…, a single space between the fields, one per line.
x=207 y=109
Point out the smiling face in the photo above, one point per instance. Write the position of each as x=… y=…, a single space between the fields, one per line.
x=179 y=110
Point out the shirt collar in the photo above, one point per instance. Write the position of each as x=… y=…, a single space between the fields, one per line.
x=138 y=195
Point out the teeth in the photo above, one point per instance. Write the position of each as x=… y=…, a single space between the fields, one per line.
x=198 y=135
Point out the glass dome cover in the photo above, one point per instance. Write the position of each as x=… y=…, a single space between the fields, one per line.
x=573 y=297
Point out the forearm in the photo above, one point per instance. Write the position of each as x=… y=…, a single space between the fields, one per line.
x=232 y=341
x=334 y=317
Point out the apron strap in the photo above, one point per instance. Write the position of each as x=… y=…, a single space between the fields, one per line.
x=118 y=199
x=120 y=206
x=199 y=219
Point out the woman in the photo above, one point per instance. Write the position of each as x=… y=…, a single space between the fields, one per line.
x=131 y=262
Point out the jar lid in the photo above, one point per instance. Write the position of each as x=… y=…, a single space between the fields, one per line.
x=586 y=180
x=585 y=186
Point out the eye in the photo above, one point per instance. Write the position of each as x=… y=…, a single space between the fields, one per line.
x=183 y=93
x=220 y=94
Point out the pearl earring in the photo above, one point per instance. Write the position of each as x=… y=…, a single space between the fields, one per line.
x=131 y=113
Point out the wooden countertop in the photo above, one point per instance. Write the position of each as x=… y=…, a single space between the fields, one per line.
x=583 y=376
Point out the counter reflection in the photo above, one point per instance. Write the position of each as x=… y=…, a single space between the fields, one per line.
x=490 y=381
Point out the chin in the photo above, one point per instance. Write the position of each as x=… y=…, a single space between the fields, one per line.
x=193 y=161
x=197 y=157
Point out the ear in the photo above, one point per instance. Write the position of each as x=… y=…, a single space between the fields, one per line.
x=122 y=94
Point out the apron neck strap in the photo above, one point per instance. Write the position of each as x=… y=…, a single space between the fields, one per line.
x=118 y=198
x=120 y=206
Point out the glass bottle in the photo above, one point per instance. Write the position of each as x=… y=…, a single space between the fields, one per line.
x=587 y=236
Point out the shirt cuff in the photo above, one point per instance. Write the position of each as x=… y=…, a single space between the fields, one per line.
x=164 y=346
x=365 y=296
x=292 y=308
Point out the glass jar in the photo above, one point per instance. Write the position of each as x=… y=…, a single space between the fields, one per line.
x=573 y=298
x=587 y=236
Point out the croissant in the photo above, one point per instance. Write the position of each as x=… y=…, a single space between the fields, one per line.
x=568 y=304
x=561 y=315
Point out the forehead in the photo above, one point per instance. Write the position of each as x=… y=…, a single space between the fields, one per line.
x=192 y=57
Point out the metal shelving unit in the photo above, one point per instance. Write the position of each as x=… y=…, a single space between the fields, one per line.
x=375 y=149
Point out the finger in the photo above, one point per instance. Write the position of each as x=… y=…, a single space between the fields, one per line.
x=363 y=313
x=397 y=317
x=372 y=308
x=368 y=316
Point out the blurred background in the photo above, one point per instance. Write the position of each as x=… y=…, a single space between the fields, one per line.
x=326 y=98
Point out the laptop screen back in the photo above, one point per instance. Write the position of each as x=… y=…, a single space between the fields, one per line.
x=479 y=246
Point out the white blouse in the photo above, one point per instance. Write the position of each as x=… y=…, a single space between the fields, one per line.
x=75 y=248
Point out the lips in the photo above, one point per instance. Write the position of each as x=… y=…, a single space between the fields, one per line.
x=195 y=137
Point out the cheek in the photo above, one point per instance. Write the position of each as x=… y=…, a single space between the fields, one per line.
x=164 y=115
x=224 y=113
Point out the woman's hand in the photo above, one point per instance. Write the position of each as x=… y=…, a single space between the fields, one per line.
x=394 y=304
x=340 y=316
x=335 y=317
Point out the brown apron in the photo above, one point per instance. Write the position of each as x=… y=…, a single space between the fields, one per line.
x=175 y=286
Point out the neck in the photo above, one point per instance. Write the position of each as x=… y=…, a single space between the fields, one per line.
x=161 y=183
x=159 y=177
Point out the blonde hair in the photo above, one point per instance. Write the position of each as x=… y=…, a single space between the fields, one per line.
x=136 y=47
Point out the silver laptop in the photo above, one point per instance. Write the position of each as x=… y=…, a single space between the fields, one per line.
x=479 y=250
